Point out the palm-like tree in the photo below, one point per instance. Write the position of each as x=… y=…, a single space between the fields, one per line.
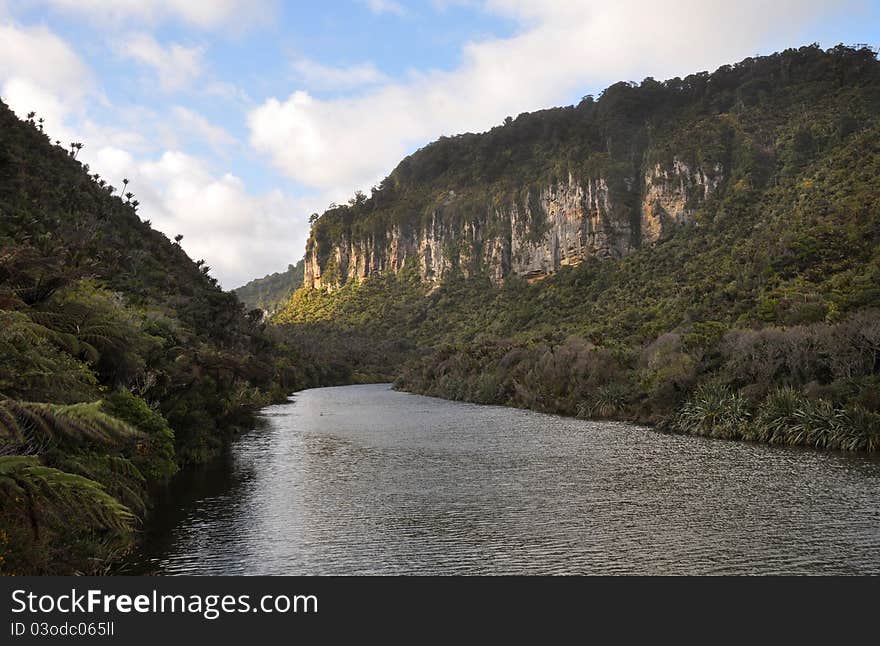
x=31 y=425
x=47 y=494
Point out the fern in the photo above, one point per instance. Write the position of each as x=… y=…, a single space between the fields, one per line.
x=51 y=495
x=37 y=424
x=118 y=475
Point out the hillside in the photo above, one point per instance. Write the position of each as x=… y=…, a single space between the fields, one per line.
x=711 y=237
x=271 y=292
x=601 y=179
x=122 y=361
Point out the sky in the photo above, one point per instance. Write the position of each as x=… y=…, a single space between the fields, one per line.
x=234 y=120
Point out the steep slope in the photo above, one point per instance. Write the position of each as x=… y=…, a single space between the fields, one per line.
x=121 y=361
x=598 y=180
x=717 y=231
x=271 y=292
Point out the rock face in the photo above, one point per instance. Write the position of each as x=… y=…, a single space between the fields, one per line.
x=531 y=235
x=671 y=194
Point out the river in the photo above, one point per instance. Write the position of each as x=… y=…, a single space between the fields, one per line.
x=366 y=480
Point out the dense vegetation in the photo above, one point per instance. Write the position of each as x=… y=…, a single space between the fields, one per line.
x=271 y=292
x=763 y=120
x=758 y=321
x=122 y=360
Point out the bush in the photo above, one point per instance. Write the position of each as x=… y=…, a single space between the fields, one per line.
x=714 y=411
x=788 y=417
x=156 y=460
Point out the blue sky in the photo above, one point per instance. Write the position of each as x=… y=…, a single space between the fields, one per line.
x=235 y=119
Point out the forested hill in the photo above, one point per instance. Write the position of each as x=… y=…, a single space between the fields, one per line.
x=601 y=179
x=702 y=252
x=271 y=292
x=120 y=359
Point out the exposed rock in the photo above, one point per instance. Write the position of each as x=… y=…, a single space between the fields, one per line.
x=531 y=235
x=671 y=195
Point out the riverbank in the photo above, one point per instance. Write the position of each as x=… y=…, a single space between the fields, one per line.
x=784 y=417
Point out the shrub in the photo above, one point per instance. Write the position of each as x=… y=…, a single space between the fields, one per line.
x=714 y=411
x=788 y=417
x=157 y=461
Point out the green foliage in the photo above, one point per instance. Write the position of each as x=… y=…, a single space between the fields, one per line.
x=785 y=417
x=271 y=292
x=788 y=417
x=37 y=362
x=51 y=511
x=714 y=411
x=748 y=126
x=60 y=493
x=157 y=464
x=32 y=425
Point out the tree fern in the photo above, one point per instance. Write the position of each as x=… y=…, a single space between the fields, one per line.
x=49 y=495
x=35 y=424
x=117 y=474
x=40 y=363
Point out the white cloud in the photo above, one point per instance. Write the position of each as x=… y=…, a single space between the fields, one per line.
x=24 y=96
x=385 y=6
x=240 y=234
x=44 y=60
x=561 y=49
x=228 y=92
x=197 y=127
x=176 y=66
x=39 y=72
x=204 y=14
x=317 y=76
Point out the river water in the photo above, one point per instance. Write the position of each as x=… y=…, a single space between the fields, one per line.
x=366 y=480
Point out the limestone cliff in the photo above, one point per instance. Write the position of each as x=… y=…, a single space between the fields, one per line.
x=597 y=180
x=530 y=233
x=553 y=188
x=671 y=195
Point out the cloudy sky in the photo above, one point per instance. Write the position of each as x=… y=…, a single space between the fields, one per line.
x=236 y=119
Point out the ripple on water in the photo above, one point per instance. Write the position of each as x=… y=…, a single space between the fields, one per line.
x=365 y=480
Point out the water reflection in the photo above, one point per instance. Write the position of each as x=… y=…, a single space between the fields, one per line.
x=364 y=480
